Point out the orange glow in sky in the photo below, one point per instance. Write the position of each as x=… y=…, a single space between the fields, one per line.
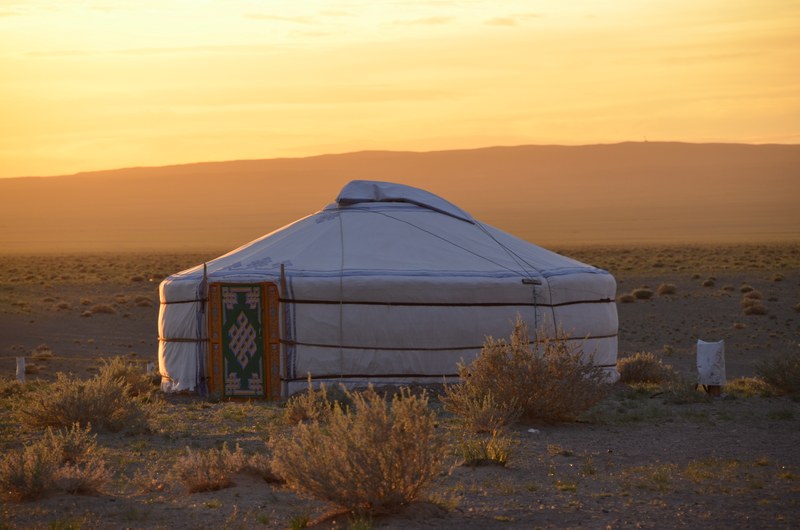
x=106 y=84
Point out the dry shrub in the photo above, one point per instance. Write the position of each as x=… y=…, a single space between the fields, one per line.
x=728 y=288
x=71 y=444
x=373 y=458
x=136 y=382
x=781 y=372
x=642 y=293
x=478 y=409
x=777 y=277
x=797 y=308
x=644 y=367
x=42 y=352
x=103 y=309
x=626 y=298
x=28 y=474
x=208 y=470
x=708 y=283
x=86 y=476
x=261 y=465
x=552 y=384
x=102 y=401
x=66 y=459
x=142 y=301
x=666 y=288
x=753 y=307
x=83 y=470
x=745 y=288
x=63 y=305
x=752 y=295
x=312 y=405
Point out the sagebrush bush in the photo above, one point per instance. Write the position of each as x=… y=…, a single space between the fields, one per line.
x=208 y=470
x=102 y=402
x=85 y=476
x=626 y=298
x=549 y=381
x=82 y=468
x=781 y=372
x=132 y=377
x=478 y=409
x=644 y=367
x=310 y=405
x=373 y=458
x=29 y=473
x=71 y=444
x=66 y=459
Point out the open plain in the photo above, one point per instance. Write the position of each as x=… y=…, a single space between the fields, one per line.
x=637 y=459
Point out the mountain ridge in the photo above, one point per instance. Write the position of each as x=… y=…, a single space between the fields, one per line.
x=630 y=192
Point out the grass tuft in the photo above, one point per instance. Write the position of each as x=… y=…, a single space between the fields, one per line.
x=482 y=449
x=103 y=309
x=642 y=293
x=626 y=298
x=666 y=288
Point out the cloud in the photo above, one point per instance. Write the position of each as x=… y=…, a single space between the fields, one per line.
x=512 y=20
x=279 y=18
x=8 y=14
x=157 y=51
x=502 y=21
x=335 y=13
x=429 y=21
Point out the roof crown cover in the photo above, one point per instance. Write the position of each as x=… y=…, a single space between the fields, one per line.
x=357 y=191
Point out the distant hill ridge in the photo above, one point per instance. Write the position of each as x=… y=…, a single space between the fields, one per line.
x=636 y=192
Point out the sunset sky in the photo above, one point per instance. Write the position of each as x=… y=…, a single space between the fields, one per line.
x=90 y=85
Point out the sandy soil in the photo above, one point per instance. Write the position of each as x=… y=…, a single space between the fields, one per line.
x=635 y=461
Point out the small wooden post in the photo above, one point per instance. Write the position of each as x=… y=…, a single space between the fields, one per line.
x=21 y=369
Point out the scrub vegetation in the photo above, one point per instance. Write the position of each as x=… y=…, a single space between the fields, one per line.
x=88 y=441
x=548 y=380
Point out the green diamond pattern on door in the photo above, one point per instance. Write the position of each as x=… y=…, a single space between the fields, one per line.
x=243 y=340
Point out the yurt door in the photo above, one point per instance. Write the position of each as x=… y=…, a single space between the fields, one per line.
x=244 y=343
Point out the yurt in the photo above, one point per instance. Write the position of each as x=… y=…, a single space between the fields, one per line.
x=389 y=284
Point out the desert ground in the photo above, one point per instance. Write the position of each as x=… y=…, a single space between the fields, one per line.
x=635 y=460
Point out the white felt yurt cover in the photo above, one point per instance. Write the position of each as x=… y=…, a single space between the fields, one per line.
x=390 y=284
